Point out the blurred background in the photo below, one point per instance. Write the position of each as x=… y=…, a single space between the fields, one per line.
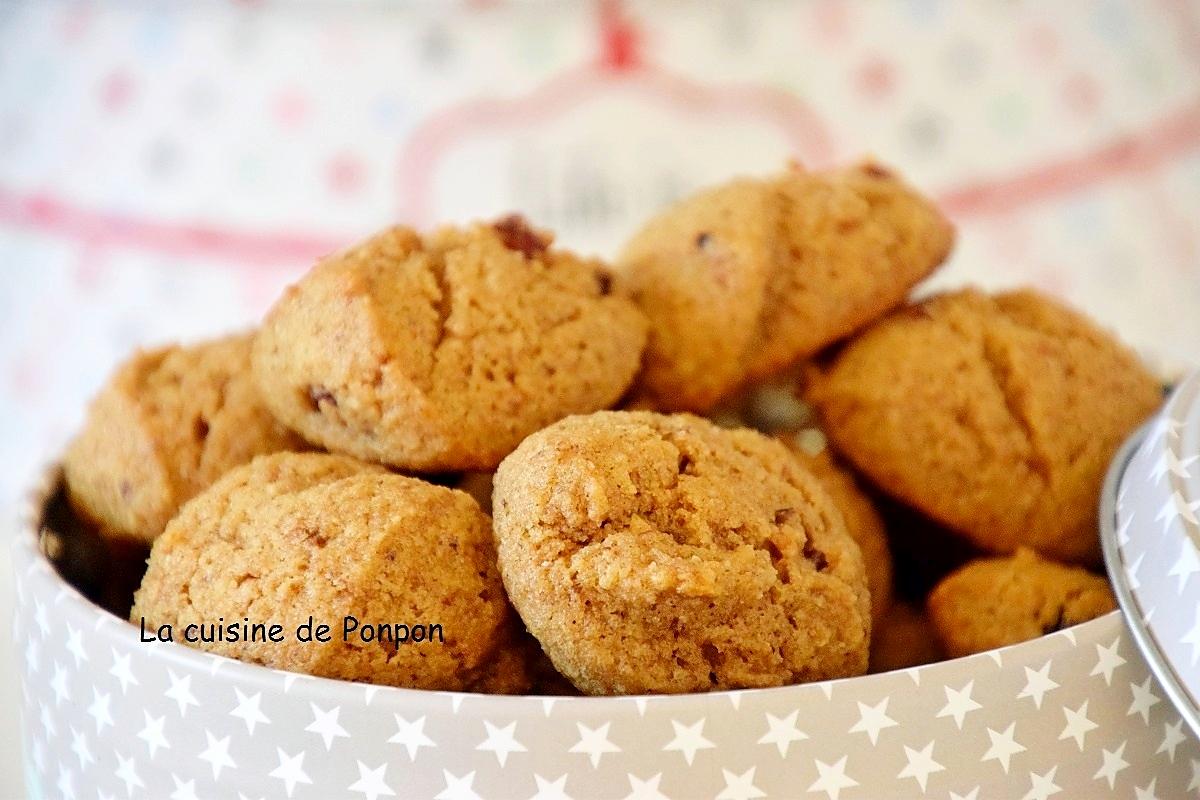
x=165 y=170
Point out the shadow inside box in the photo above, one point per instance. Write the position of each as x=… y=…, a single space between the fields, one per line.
x=923 y=551
x=106 y=572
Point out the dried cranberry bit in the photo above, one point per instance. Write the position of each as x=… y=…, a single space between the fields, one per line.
x=773 y=549
x=516 y=235
x=873 y=170
x=778 y=560
x=604 y=282
x=814 y=555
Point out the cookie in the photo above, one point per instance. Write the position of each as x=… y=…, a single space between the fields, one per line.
x=996 y=415
x=662 y=554
x=904 y=638
x=863 y=522
x=999 y=601
x=440 y=354
x=167 y=424
x=742 y=280
x=292 y=535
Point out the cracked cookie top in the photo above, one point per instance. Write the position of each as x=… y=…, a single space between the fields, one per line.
x=652 y=553
x=995 y=602
x=441 y=353
x=167 y=424
x=997 y=415
x=297 y=534
x=741 y=280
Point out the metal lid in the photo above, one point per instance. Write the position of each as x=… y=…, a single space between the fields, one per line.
x=1150 y=531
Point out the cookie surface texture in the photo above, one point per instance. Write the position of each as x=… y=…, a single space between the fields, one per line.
x=662 y=554
x=441 y=353
x=996 y=415
x=167 y=424
x=293 y=535
x=998 y=601
x=741 y=280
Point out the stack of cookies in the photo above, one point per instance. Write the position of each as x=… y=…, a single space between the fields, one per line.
x=554 y=460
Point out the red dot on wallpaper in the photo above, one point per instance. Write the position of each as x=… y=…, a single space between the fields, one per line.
x=290 y=108
x=116 y=91
x=345 y=174
x=875 y=78
x=831 y=20
x=1043 y=44
x=75 y=22
x=1081 y=94
x=24 y=377
x=620 y=38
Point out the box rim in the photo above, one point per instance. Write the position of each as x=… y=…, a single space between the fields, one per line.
x=1143 y=637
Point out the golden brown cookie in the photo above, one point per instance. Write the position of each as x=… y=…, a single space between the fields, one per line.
x=660 y=554
x=863 y=522
x=292 y=535
x=998 y=601
x=741 y=280
x=442 y=353
x=904 y=638
x=167 y=424
x=995 y=415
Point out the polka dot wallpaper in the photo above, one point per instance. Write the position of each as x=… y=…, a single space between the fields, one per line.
x=166 y=169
